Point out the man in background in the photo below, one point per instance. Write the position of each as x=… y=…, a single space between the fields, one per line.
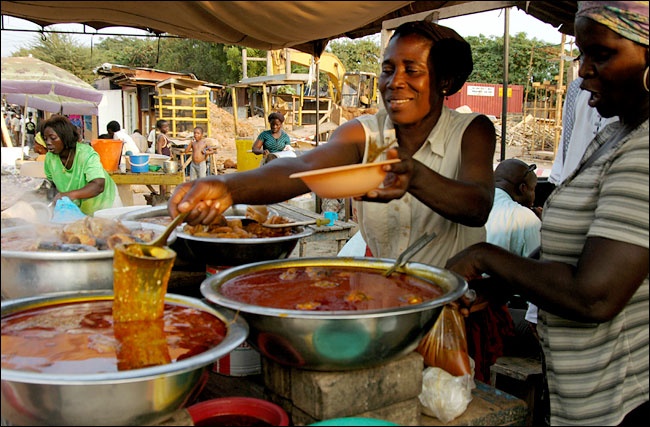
x=140 y=141
x=30 y=130
x=115 y=132
x=514 y=226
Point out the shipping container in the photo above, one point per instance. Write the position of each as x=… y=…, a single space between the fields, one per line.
x=487 y=98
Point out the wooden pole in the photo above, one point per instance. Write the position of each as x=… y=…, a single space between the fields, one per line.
x=559 y=92
x=504 y=106
x=233 y=92
x=316 y=137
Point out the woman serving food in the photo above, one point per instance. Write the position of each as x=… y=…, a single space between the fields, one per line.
x=444 y=182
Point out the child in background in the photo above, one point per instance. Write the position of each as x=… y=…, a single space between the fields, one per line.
x=200 y=151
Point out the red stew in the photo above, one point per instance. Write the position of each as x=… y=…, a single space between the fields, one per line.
x=329 y=288
x=80 y=338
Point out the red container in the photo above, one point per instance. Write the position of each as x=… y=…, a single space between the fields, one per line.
x=487 y=98
x=237 y=411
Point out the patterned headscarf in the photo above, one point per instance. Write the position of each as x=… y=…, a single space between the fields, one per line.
x=629 y=19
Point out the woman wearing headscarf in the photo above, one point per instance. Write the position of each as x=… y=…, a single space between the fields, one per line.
x=444 y=182
x=591 y=280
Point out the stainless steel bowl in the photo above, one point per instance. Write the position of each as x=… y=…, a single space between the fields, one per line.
x=144 y=396
x=337 y=340
x=221 y=252
x=170 y=166
x=29 y=273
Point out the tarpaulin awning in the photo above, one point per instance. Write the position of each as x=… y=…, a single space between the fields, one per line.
x=303 y=25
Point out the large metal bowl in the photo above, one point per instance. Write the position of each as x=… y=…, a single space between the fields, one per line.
x=144 y=396
x=30 y=273
x=222 y=252
x=337 y=340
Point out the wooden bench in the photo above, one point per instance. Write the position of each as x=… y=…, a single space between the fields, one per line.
x=489 y=407
x=521 y=377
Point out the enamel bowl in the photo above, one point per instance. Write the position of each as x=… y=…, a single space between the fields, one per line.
x=341 y=182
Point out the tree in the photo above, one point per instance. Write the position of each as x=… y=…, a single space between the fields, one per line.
x=64 y=52
x=129 y=51
x=357 y=55
x=528 y=60
x=219 y=63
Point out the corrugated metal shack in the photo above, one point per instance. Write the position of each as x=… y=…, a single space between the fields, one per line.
x=487 y=98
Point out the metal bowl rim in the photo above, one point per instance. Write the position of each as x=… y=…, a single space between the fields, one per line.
x=237 y=333
x=301 y=232
x=154 y=211
x=77 y=256
x=211 y=294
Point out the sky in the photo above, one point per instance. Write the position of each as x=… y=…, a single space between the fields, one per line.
x=487 y=23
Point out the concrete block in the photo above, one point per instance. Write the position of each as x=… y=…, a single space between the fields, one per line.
x=325 y=395
x=407 y=413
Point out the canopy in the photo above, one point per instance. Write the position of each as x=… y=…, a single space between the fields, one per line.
x=53 y=103
x=31 y=76
x=303 y=25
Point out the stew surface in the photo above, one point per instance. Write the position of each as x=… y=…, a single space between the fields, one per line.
x=81 y=338
x=328 y=289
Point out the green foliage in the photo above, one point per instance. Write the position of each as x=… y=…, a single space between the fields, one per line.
x=64 y=52
x=131 y=51
x=487 y=53
x=357 y=55
x=218 y=63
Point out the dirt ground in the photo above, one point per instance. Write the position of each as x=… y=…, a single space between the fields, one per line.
x=223 y=132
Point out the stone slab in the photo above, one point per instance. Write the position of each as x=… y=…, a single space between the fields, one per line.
x=325 y=395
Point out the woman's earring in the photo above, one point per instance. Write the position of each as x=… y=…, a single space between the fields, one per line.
x=444 y=91
x=645 y=79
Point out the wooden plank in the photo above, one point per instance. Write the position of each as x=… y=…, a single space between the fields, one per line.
x=489 y=407
x=341 y=231
x=148 y=178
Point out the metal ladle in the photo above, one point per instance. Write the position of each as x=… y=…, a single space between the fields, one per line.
x=410 y=251
x=161 y=240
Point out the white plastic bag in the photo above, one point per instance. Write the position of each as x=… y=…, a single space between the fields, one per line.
x=443 y=395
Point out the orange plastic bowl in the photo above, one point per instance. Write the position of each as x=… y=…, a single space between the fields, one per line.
x=345 y=181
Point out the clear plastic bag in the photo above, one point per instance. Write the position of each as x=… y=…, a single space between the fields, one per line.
x=448 y=381
x=445 y=396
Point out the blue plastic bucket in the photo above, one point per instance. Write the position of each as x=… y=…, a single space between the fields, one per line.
x=139 y=163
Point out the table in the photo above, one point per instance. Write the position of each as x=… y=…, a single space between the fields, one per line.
x=341 y=231
x=124 y=180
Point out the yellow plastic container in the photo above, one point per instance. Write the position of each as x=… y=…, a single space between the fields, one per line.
x=246 y=159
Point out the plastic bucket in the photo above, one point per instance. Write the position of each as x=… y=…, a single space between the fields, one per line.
x=139 y=163
x=110 y=151
x=246 y=159
x=237 y=411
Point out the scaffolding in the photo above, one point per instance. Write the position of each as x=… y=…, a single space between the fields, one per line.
x=184 y=104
